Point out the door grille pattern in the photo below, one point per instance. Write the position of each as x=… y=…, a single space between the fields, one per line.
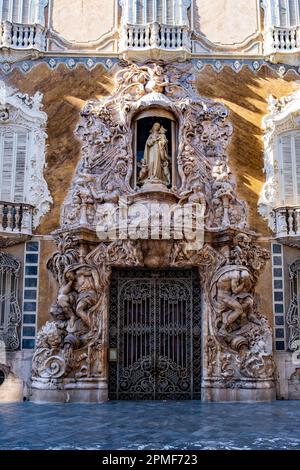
x=155 y=319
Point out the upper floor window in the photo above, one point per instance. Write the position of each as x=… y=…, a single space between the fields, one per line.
x=170 y=12
x=22 y=157
x=13 y=158
x=23 y=11
x=289 y=168
x=286 y=13
x=279 y=201
x=159 y=11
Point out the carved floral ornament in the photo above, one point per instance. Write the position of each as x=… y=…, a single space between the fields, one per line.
x=21 y=110
x=73 y=346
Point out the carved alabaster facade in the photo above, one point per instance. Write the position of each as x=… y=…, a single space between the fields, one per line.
x=70 y=362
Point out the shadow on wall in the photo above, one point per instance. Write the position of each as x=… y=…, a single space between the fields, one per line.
x=245 y=95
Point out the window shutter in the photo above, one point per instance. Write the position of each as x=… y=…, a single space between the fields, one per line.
x=7 y=166
x=20 y=166
x=139 y=12
x=293 y=9
x=15 y=11
x=170 y=11
x=27 y=17
x=297 y=165
x=150 y=12
x=283 y=14
x=159 y=11
x=13 y=152
x=4 y=12
x=287 y=195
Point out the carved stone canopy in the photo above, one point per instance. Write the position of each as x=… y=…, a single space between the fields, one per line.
x=105 y=173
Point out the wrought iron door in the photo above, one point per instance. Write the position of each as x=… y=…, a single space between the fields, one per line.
x=155 y=319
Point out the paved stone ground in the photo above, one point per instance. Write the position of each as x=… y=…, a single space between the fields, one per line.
x=151 y=425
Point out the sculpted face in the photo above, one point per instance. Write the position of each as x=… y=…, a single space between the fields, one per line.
x=156 y=127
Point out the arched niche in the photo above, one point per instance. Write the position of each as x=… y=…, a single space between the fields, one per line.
x=142 y=124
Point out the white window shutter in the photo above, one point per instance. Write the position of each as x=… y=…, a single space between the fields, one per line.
x=7 y=166
x=13 y=153
x=159 y=11
x=283 y=13
x=150 y=11
x=293 y=12
x=297 y=165
x=171 y=5
x=139 y=11
x=20 y=166
x=287 y=193
x=4 y=9
x=25 y=13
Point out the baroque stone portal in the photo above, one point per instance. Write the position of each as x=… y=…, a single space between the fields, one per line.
x=107 y=222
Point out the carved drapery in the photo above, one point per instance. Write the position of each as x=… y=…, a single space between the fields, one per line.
x=238 y=349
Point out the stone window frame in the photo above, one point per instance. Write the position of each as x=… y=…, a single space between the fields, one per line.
x=283 y=118
x=18 y=110
x=9 y=285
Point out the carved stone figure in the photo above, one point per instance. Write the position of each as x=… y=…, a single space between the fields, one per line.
x=155 y=164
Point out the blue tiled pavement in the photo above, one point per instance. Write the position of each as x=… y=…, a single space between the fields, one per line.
x=151 y=425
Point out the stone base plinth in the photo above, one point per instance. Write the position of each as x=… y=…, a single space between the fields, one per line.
x=263 y=391
x=69 y=391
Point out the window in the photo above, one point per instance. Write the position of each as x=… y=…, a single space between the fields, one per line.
x=10 y=315
x=289 y=168
x=13 y=157
x=161 y=11
x=23 y=11
x=286 y=13
x=23 y=190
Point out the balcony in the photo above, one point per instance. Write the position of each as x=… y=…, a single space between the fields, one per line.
x=15 y=222
x=155 y=41
x=22 y=36
x=287 y=225
x=283 y=44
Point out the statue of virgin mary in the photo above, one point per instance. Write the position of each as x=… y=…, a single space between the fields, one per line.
x=155 y=163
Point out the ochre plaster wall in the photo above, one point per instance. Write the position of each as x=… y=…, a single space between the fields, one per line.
x=73 y=21
x=227 y=22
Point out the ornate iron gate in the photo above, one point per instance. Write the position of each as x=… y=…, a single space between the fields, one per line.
x=155 y=319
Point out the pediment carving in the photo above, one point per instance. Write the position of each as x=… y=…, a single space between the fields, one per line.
x=105 y=172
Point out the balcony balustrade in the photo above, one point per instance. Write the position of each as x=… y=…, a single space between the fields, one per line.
x=287 y=224
x=282 y=44
x=166 y=41
x=15 y=220
x=22 y=36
